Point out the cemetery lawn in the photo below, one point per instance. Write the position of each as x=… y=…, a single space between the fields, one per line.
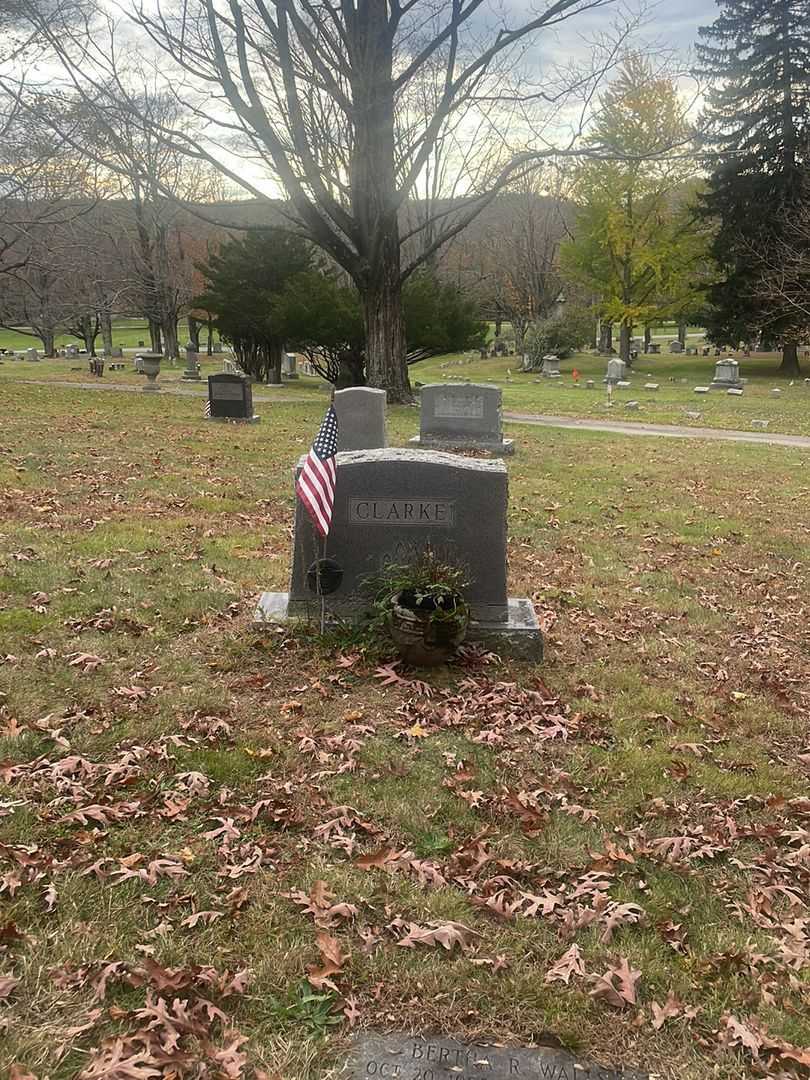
x=787 y=414
x=257 y=841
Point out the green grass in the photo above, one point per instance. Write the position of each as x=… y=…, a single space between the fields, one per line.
x=676 y=375
x=672 y=583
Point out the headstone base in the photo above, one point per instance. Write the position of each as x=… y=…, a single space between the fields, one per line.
x=191 y=376
x=505 y=448
x=235 y=419
x=723 y=385
x=519 y=638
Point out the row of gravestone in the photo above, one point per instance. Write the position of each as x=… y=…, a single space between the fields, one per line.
x=465 y=416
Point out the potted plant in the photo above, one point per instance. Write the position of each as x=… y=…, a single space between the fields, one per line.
x=423 y=608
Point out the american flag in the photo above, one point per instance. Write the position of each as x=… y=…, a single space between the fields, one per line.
x=315 y=486
x=207 y=409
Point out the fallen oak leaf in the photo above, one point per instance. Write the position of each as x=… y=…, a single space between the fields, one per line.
x=671 y=1009
x=350 y=1010
x=202 y=916
x=114 y=1061
x=448 y=935
x=376 y=858
x=329 y=948
x=617 y=987
x=569 y=964
x=7 y=986
x=733 y=1032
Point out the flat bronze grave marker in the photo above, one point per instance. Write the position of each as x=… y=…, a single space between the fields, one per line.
x=404 y=1057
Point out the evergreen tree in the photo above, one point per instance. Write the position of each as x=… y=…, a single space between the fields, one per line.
x=757 y=56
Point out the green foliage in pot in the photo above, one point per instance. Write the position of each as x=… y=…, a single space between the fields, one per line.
x=421 y=604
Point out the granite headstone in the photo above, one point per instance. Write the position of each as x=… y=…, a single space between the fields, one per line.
x=464 y=416
x=726 y=375
x=361 y=418
x=231 y=398
x=404 y=1057
x=390 y=505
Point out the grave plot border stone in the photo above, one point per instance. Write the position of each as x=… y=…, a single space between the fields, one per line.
x=406 y=1057
x=430 y=498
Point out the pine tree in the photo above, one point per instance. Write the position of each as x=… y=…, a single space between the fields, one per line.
x=757 y=128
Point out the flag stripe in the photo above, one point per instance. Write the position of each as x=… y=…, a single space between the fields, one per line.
x=315 y=486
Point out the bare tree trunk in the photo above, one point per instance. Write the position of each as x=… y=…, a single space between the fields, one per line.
x=374 y=196
x=647 y=337
x=275 y=352
x=624 y=342
x=209 y=347
x=48 y=344
x=682 y=326
x=106 y=332
x=155 y=336
x=606 y=338
x=790 y=360
x=194 y=333
x=386 y=367
x=170 y=344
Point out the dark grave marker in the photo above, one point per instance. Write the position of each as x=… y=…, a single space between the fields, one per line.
x=404 y=1057
x=231 y=398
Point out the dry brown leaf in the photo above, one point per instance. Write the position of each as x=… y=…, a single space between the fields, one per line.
x=617 y=987
x=569 y=964
x=671 y=1008
x=448 y=935
x=329 y=948
x=7 y=986
x=376 y=858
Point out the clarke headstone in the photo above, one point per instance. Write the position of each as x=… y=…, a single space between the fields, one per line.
x=390 y=506
x=407 y=1057
x=466 y=416
x=361 y=418
x=231 y=398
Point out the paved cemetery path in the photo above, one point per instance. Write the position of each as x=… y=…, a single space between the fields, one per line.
x=667 y=431
x=615 y=427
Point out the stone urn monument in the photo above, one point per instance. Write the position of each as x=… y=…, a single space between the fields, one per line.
x=150 y=366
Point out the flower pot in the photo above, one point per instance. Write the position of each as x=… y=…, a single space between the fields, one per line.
x=427 y=633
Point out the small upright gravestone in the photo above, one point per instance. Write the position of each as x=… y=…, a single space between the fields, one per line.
x=231 y=398
x=361 y=418
x=191 y=372
x=288 y=366
x=675 y=347
x=551 y=367
x=389 y=507
x=727 y=375
x=70 y=351
x=466 y=416
x=616 y=371
x=408 y=1057
x=31 y=355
